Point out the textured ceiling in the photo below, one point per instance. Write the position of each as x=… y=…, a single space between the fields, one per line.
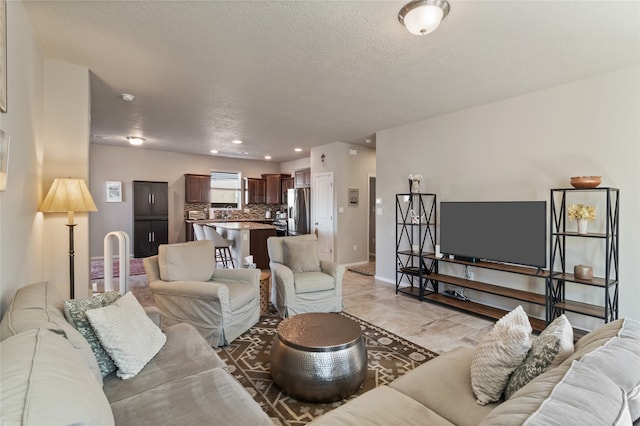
x=285 y=74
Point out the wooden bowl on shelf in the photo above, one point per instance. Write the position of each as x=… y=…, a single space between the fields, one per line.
x=585 y=182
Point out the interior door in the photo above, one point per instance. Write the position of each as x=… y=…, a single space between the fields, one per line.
x=323 y=209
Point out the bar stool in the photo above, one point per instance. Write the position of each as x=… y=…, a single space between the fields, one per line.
x=198 y=232
x=223 y=253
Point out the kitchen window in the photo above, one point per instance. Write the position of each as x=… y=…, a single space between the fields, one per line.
x=226 y=189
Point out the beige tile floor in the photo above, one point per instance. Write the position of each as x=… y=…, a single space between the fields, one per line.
x=435 y=327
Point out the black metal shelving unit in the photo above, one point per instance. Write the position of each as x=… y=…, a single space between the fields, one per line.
x=415 y=236
x=559 y=241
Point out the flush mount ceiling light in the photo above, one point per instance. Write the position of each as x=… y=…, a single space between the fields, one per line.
x=135 y=140
x=127 y=97
x=423 y=16
x=237 y=141
x=298 y=149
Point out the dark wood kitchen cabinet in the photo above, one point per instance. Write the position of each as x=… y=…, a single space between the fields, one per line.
x=303 y=178
x=273 y=188
x=255 y=191
x=148 y=235
x=287 y=183
x=258 y=244
x=197 y=188
x=150 y=217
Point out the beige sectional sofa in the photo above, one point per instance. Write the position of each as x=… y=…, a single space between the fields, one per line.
x=50 y=376
x=599 y=384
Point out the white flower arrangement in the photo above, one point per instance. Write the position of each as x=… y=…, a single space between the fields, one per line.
x=580 y=211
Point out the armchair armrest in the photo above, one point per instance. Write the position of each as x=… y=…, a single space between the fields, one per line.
x=203 y=304
x=249 y=276
x=283 y=278
x=336 y=271
x=190 y=289
x=332 y=268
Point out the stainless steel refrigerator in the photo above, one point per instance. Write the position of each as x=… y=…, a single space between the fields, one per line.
x=299 y=211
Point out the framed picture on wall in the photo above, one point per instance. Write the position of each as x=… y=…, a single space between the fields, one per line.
x=354 y=197
x=114 y=191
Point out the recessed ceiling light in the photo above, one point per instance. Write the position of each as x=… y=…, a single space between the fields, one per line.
x=245 y=153
x=267 y=157
x=237 y=141
x=367 y=141
x=135 y=140
x=127 y=97
x=298 y=149
x=214 y=151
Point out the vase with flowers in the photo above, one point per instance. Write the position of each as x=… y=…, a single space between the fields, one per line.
x=582 y=214
x=414 y=183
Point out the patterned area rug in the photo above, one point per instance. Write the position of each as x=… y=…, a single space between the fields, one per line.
x=389 y=357
x=97 y=268
x=366 y=269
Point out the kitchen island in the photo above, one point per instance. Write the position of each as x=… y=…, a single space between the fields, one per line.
x=249 y=238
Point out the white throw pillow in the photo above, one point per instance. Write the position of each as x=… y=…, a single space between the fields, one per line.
x=500 y=352
x=127 y=333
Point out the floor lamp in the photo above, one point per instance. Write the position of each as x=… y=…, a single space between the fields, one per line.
x=69 y=195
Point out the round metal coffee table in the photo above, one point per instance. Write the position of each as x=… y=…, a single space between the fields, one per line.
x=318 y=357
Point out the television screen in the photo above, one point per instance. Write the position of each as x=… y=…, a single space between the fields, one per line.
x=510 y=231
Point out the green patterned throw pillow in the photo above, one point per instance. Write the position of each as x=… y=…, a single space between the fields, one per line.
x=552 y=346
x=75 y=312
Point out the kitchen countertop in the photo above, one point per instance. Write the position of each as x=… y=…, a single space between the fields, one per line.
x=241 y=225
x=205 y=221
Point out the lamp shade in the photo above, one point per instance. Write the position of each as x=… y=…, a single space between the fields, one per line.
x=68 y=195
x=423 y=16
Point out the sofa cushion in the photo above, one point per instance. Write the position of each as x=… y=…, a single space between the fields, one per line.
x=192 y=261
x=39 y=305
x=208 y=397
x=444 y=385
x=310 y=282
x=301 y=255
x=498 y=354
x=572 y=392
x=185 y=353
x=548 y=350
x=127 y=333
x=45 y=382
x=625 y=370
x=381 y=406
x=75 y=312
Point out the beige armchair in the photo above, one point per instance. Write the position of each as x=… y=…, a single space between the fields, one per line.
x=300 y=281
x=187 y=287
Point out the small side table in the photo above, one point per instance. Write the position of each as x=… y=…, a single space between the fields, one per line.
x=265 y=291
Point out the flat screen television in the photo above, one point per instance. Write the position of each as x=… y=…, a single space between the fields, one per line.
x=502 y=231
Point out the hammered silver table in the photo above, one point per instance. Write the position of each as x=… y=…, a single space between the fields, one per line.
x=318 y=357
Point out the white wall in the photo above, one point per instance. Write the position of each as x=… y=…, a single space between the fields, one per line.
x=289 y=167
x=66 y=154
x=48 y=122
x=518 y=149
x=349 y=171
x=127 y=164
x=20 y=227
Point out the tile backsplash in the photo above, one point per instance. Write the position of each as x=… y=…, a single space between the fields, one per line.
x=256 y=211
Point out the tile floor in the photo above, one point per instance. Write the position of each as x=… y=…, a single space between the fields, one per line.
x=435 y=327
